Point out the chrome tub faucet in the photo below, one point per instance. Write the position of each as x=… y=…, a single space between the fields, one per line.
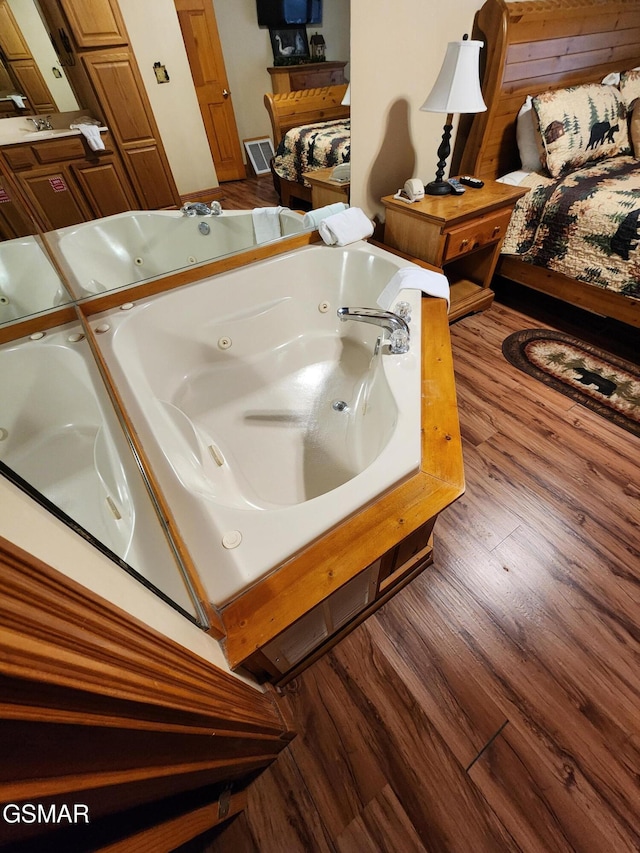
x=396 y=326
x=200 y=208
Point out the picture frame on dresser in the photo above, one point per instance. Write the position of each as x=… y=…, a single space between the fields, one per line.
x=289 y=44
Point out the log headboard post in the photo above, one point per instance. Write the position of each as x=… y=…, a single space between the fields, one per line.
x=534 y=46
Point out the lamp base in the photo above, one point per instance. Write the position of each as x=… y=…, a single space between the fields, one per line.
x=438 y=188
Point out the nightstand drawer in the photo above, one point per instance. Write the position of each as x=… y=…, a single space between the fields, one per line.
x=473 y=235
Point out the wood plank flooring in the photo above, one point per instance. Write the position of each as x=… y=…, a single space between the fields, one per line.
x=494 y=703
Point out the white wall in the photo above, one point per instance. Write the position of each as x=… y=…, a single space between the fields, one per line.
x=155 y=37
x=396 y=54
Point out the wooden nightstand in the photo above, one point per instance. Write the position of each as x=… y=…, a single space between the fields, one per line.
x=462 y=234
x=324 y=190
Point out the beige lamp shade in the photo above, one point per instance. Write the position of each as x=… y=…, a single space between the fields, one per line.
x=457 y=89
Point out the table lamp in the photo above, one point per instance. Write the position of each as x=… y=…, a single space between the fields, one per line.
x=457 y=90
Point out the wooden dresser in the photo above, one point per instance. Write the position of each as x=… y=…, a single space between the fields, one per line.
x=310 y=75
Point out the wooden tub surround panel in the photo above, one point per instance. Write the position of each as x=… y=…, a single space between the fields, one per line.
x=100 y=709
x=384 y=537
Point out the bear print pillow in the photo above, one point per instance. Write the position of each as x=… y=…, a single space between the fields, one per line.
x=580 y=124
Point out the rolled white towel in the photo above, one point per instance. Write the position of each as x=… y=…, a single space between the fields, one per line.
x=92 y=134
x=266 y=223
x=313 y=218
x=414 y=278
x=346 y=227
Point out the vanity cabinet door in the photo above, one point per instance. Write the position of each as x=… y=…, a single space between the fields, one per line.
x=95 y=24
x=105 y=186
x=56 y=196
x=13 y=221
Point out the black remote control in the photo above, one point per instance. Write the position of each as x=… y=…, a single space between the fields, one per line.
x=470 y=181
x=456 y=186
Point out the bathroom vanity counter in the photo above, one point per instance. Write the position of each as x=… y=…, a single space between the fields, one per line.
x=20 y=135
x=66 y=182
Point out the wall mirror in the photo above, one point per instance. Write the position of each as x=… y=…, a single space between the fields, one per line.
x=32 y=76
x=123 y=254
x=61 y=439
x=61 y=442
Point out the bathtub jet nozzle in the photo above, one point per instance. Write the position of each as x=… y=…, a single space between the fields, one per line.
x=398 y=340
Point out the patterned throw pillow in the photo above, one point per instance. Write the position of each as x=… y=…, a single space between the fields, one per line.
x=630 y=87
x=580 y=124
x=634 y=130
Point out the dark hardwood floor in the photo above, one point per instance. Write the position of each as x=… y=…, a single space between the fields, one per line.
x=493 y=704
x=247 y=194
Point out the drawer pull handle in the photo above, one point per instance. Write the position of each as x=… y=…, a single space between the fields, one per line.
x=476 y=245
x=464 y=245
x=496 y=230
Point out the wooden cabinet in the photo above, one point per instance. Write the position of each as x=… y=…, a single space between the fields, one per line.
x=95 y=24
x=349 y=605
x=13 y=220
x=313 y=75
x=461 y=234
x=127 y=112
x=67 y=183
x=12 y=41
x=100 y=64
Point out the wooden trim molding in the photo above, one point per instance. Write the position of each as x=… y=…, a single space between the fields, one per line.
x=98 y=707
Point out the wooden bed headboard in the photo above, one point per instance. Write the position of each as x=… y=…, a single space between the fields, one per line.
x=533 y=46
x=306 y=106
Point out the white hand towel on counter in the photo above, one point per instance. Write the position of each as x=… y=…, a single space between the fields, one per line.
x=414 y=278
x=313 y=218
x=346 y=227
x=266 y=223
x=92 y=134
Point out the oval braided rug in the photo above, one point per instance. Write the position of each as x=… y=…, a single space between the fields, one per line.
x=593 y=378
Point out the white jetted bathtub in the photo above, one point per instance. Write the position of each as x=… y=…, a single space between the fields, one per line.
x=57 y=435
x=28 y=282
x=266 y=420
x=130 y=247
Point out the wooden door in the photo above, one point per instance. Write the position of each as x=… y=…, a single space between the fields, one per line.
x=201 y=39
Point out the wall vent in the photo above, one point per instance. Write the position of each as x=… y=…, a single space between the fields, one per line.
x=259 y=154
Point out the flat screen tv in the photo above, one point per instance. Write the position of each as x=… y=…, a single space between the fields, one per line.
x=282 y=13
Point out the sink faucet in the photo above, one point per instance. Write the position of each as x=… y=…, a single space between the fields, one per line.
x=200 y=208
x=43 y=123
x=398 y=329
